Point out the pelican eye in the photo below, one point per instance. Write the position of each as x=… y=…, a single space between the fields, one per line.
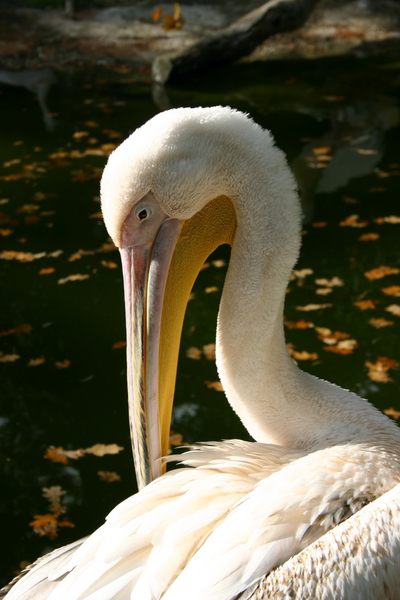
x=143 y=213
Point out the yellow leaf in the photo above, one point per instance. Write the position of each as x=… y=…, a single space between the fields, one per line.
x=353 y=221
x=211 y=289
x=301 y=324
x=369 y=237
x=74 y=277
x=365 y=304
x=393 y=290
x=392 y=219
x=333 y=282
x=62 y=364
x=193 y=353
x=46 y=271
x=36 y=362
x=109 y=264
x=103 y=449
x=6 y=358
x=343 y=347
x=209 y=351
x=109 y=476
x=214 y=385
x=394 y=309
x=380 y=272
x=378 y=323
x=312 y=307
x=378 y=370
x=392 y=412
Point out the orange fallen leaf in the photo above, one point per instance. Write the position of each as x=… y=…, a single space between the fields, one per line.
x=301 y=324
x=378 y=370
x=392 y=290
x=218 y=263
x=301 y=354
x=21 y=256
x=378 y=323
x=365 y=304
x=319 y=224
x=23 y=328
x=392 y=219
x=175 y=439
x=369 y=237
x=323 y=291
x=62 y=364
x=353 y=221
x=311 y=307
x=54 y=455
x=103 y=449
x=321 y=150
x=380 y=272
x=193 y=353
x=156 y=13
x=392 y=412
x=393 y=309
x=6 y=232
x=46 y=271
x=214 y=385
x=6 y=358
x=109 y=476
x=209 y=351
x=332 y=282
x=301 y=273
x=109 y=264
x=343 y=347
x=36 y=362
x=45 y=525
x=74 y=277
x=211 y=289
x=119 y=345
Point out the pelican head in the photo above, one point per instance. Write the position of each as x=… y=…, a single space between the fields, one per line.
x=168 y=200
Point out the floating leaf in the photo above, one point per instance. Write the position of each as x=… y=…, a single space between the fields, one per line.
x=380 y=272
x=6 y=232
x=319 y=224
x=23 y=328
x=103 y=449
x=353 y=221
x=394 y=309
x=392 y=219
x=312 y=307
x=378 y=370
x=156 y=13
x=301 y=324
x=109 y=476
x=62 y=364
x=119 y=345
x=369 y=237
x=218 y=263
x=36 y=362
x=209 y=351
x=392 y=412
x=46 y=271
x=74 y=277
x=365 y=304
x=193 y=353
x=21 y=256
x=175 y=439
x=211 y=289
x=301 y=273
x=6 y=358
x=214 y=385
x=366 y=151
x=378 y=323
x=343 y=347
x=301 y=354
x=109 y=264
x=333 y=282
x=323 y=291
x=393 y=290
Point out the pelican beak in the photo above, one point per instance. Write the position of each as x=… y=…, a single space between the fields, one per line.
x=158 y=277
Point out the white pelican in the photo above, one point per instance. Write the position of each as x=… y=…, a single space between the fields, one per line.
x=311 y=509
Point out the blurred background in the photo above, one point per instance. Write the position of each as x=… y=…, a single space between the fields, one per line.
x=75 y=79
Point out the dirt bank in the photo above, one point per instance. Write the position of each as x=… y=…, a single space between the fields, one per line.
x=126 y=37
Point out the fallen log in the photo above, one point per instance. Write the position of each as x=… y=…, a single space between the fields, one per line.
x=234 y=42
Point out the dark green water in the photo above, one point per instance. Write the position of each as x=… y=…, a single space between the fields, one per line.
x=61 y=381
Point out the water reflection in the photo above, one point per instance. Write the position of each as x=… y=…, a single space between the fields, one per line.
x=38 y=82
x=74 y=395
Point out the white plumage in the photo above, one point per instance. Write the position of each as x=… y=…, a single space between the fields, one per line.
x=316 y=485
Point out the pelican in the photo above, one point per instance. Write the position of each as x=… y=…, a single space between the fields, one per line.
x=311 y=508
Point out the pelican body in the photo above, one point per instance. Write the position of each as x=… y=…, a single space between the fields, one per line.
x=310 y=509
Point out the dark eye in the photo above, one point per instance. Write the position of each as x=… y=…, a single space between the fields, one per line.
x=142 y=214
